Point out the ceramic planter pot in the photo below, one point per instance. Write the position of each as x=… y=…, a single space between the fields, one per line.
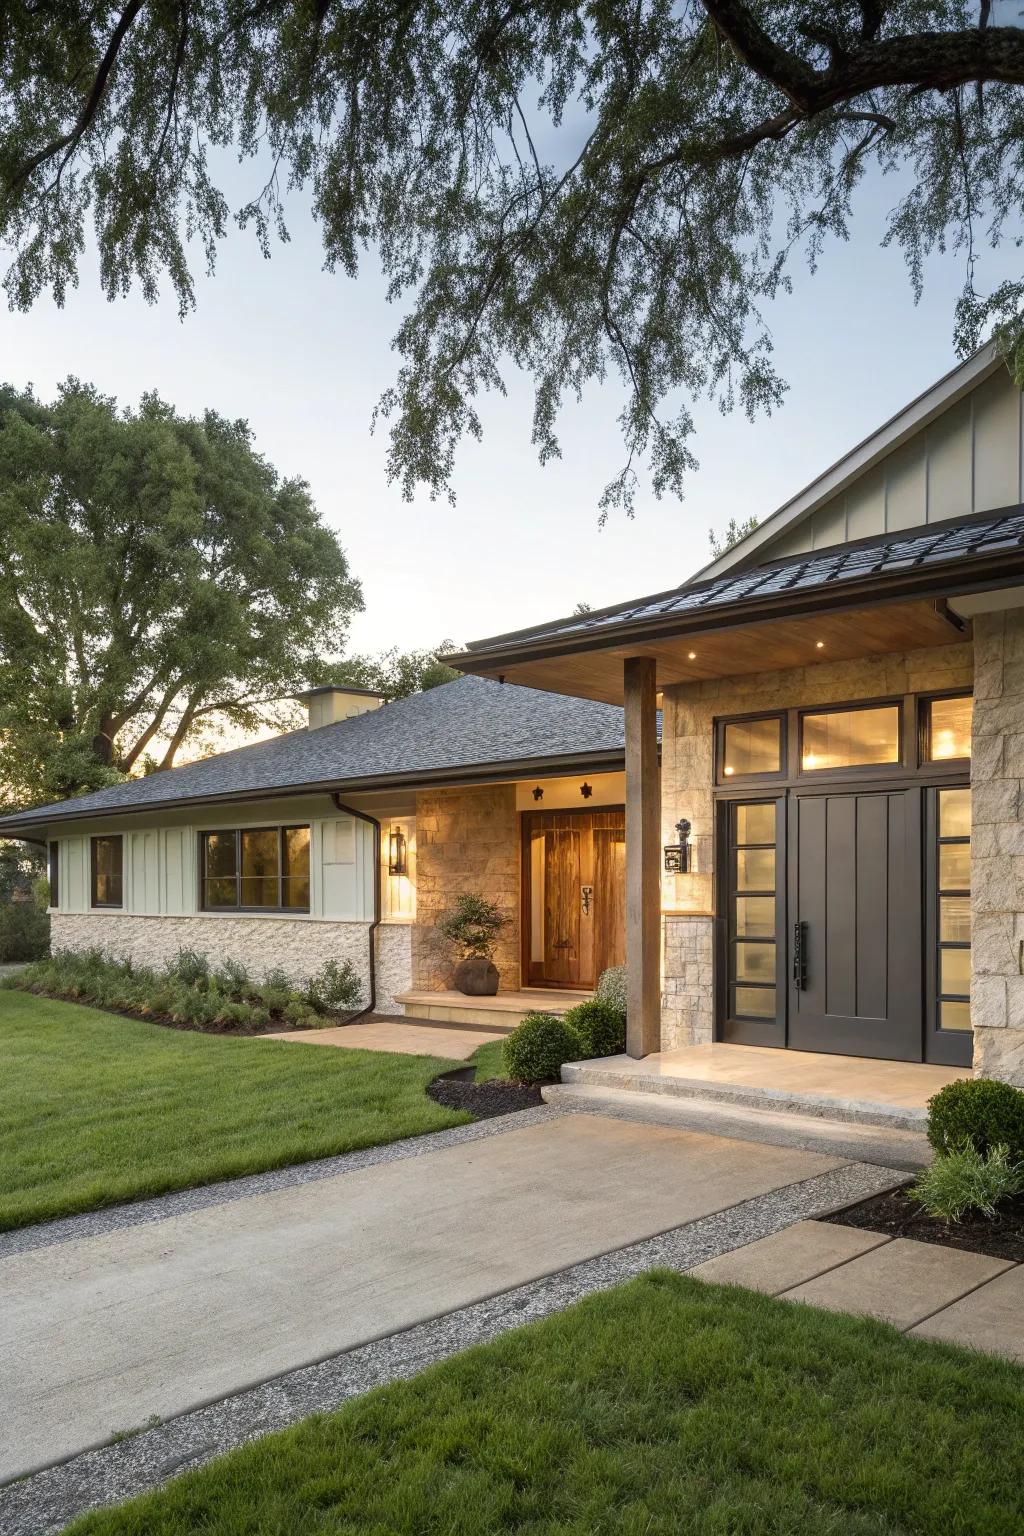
x=476 y=976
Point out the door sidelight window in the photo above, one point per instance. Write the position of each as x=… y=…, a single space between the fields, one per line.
x=752 y=921
x=953 y=910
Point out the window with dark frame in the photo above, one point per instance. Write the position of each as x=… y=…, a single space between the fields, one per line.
x=53 y=872
x=107 y=863
x=946 y=733
x=750 y=747
x=255 y=869
x=953 y=910
x=860 y=737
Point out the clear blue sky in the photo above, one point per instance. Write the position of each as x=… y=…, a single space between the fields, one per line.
x=303 y=355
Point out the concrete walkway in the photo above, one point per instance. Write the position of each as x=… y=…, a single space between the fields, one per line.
x=100 y=1334
x=926 y=1289
x=408 y=1038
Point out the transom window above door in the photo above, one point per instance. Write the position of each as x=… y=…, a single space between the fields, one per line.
x=850 y=738
x=752 y=747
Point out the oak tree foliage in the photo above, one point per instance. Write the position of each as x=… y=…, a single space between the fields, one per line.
x=156 y=574
x=574 y=187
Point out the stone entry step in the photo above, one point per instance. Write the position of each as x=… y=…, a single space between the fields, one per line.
x=502 y=1012
x=848 y=1088
x=886 y=1146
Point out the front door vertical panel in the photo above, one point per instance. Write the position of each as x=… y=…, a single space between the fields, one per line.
x=855 y=902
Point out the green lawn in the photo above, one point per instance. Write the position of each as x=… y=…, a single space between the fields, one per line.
x=97 y=1109
x=488 y=1061
x=660 y=1408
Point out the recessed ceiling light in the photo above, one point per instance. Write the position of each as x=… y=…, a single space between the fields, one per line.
x=692 y=655
x=821 y=645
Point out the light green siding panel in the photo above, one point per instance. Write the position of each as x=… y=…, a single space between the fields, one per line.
x=143 y=861
x=347 y=868
x=996 y=444
x=74 y=875
x=795 y=542
x=905 y=486
x=828 y=525
x=950 y=489
x=179 y=871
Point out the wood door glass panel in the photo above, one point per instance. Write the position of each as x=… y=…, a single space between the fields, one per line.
x=752 y=916
x=850 y=738
x=953 y=897
x=856 y=905
x=574 y=902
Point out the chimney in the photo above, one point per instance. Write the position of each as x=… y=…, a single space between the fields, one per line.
x=327 y=705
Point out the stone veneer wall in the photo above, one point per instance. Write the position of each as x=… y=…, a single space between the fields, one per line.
x=467 y=839
x=687 y=784
x=300 y=947
x=997 y=847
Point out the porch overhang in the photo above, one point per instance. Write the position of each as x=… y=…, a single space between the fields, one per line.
x=866 y=598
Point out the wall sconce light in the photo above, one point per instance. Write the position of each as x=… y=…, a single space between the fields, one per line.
x=398 y=862
x=538 y=793
x=586 y=790
x=677 y=855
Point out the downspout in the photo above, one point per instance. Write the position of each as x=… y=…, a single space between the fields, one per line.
x=350 y=810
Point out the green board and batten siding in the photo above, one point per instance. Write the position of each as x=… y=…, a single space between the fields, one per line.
x=161 y=868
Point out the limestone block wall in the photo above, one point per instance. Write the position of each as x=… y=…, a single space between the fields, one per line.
x=299 y=946
x=687 y=999
x=687 y=785
x=997 y=847
x=467 y=839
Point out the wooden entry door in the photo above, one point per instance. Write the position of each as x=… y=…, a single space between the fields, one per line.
x=855 y=916
x=574 y=895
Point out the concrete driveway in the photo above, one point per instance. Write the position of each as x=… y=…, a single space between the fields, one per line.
x=100 y=1334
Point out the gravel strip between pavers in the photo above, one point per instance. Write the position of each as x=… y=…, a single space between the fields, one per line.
x=137 y=1213
x=46 y=1501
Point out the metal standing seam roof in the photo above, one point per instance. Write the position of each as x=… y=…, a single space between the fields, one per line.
x=880 y=556
x=472 y=722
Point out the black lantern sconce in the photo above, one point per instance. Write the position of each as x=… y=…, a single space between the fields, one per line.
x=677 y=855
x=398 y=859
x=538 y=793
x=586 y=790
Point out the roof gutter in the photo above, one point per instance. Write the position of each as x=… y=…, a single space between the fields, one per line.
x=371 y=821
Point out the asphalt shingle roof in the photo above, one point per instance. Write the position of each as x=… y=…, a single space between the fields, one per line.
x=470 y=722
x=951 y=542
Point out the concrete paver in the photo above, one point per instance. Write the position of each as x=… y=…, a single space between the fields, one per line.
x=790 y=1257
x=990 y=1318
x=392 y=1035
x=101 y=1333
x=901 y=1282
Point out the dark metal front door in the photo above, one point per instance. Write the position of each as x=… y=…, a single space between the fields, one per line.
x=855 y=913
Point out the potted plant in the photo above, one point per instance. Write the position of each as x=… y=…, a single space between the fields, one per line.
x=471 y=926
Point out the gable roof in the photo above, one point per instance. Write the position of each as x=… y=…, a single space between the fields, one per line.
x=985 y=549
x=939 y=397
x=459 y=730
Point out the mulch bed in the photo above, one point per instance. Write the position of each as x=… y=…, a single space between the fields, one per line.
x=898 y=1216
x=456 y=1090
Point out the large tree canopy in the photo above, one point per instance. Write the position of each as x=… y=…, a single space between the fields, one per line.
x=570 y=186
x=155 y=573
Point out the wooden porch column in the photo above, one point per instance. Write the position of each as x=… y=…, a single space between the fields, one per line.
x=643 y=875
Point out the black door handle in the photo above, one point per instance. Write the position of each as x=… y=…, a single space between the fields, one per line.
x=799 y=956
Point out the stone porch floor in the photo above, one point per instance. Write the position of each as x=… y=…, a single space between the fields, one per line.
x=842 y=1087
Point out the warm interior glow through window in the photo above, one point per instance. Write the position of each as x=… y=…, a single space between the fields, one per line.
x=753 y=746
x=949 y=728
x=851 y=738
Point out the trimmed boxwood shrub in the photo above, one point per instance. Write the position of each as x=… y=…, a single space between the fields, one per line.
x=611 y=987
x=980 y=1113
x=600 y=1025
x=536 y=1048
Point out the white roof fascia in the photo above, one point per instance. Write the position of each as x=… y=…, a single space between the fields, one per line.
x=912 y=418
